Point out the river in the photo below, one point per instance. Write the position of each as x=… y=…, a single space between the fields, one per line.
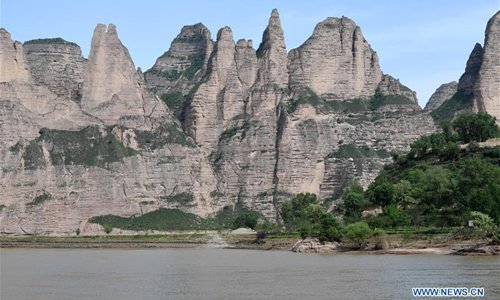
x=233 y=274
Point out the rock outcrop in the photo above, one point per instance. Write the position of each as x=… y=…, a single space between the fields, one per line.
x=56 y=64
x=470 y=76
x=14 y=67
x=391 y=87
x=487 y=86
x=234 y=127
x=314 y=246
x=272 y=54
x=336 y=62
x=178 y=69
x=442 y=93
x=112 y=87
x=479 y=87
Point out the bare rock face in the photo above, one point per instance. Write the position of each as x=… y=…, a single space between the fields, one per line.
x=442 y=93
x=112 y=86
x=487 y=87
x=57 y=64
x=12 y=59
x=221 y=97
x=389 y=86
x=470 y=76
x=336 y=62
x=178 y=69
x=44 y=107
x=272 y=54
x=252 y=127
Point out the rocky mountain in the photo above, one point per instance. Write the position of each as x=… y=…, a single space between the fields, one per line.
x=478 y=89
x=212 y=124
x=442 y=93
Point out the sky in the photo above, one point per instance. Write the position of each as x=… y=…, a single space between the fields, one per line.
x=424 y=43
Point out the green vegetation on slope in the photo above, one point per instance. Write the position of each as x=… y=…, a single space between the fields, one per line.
x=41 y=198
x=353 y=151
x=174 y=101
x=50 y=41
x=175 y=219
x=459 y=102
x=345 y=106
x=164 y=134
x=436 y=183
x=88 y=147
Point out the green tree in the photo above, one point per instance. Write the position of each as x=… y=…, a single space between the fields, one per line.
x=403 y=194
x=485 y=225
x=381 y=192
x=354 y=202
x=293 y=210
x=358 y=233
x=108 y=228
x=475 y=127
x=246 y=219
x=395 y=217
x=479 y=184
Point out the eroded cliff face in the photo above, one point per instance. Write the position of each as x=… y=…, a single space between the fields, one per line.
x=14 y=67
x=56 y=64
x=182 y=66
x=235 y=126
x=336 y=62
x=487 y=86
x=478 y=89
x=64 y=162
x=442 y=93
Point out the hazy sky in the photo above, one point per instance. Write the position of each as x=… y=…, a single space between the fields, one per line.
x=423 y=42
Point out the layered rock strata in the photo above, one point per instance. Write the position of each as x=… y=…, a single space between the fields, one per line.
x=236 y=126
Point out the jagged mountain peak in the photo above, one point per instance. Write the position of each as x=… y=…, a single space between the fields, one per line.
x=12 y=62
x=272 y=54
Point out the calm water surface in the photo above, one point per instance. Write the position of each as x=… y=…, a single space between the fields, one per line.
x=233 y=274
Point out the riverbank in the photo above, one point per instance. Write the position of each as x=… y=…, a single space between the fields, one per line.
x=170 y=240
x=436 y=244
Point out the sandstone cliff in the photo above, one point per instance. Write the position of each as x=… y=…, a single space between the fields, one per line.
x=178 y=69
x=487 y=87
x=478 y=89
x=442 y=93
x=235 y=126
x=336 y=62
x=14 y=67
x=56 y=64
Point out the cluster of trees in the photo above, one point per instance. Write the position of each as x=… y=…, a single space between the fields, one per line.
x=302 y=213
x=436 y=184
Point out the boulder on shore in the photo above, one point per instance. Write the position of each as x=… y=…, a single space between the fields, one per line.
x=314 y=246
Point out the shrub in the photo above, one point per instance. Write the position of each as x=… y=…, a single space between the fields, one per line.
x=358 y=233
x=108 y=228
x=475 y=127
x=395 y=216
x=246 y=219
x=485 y=225
x=41 y=198
x=293 y=210
x=354 y=202
x=261 y=235
x=380 y=239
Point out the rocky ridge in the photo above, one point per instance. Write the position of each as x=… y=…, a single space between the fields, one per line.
x=235 y=126
x=478 y=89
x=442 y=93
